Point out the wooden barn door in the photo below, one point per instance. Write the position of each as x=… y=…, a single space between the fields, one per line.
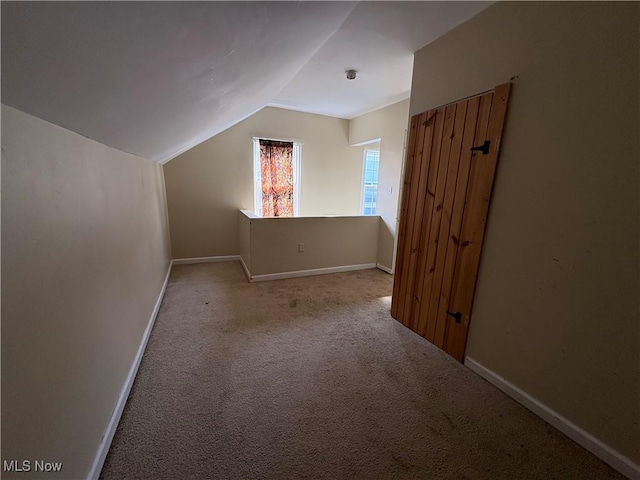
x=450 y=167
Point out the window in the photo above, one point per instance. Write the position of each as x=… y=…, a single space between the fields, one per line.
x=276 y=170
x=370 y=187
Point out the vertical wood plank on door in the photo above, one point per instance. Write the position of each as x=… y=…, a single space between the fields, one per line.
x=405 y=287
x=404 y=206
x=445 y=223
x=461 y=262
x=452 y=243
x=426 y=327
x=425 y=213
x=474 y=223
x=424 y=157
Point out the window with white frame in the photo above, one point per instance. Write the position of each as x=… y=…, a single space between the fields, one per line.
x=370 y=182
x=276 y=173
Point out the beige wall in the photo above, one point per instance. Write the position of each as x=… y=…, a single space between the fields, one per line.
x=556 y=308
x=208 y=184
x=244 y=236
x=389 y=124
x=328 y=242
x=85 y=250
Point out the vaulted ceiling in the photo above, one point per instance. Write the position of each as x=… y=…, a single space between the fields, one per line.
x=157 y=78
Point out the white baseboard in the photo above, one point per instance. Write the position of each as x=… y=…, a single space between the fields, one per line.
x=185 y=261
x=607 y=454
x=246 y=269
x=124 y=394
x=308 y=273
x=384 y=269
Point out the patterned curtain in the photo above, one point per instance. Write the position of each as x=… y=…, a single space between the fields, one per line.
x=276 y=169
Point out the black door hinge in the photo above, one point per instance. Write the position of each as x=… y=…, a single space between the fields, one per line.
x=484 y=148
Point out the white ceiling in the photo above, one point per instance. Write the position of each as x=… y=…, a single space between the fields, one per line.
x=157 y=78
x=378 y=39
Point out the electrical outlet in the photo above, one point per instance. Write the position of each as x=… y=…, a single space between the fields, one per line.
x=301 y=247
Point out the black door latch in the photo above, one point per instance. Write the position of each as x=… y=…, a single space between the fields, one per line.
x=457 y=316
x=484 y=148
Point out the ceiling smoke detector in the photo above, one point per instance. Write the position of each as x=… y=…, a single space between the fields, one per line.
x=351 y=74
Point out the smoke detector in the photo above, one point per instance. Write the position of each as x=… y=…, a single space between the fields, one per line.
x=351 y=74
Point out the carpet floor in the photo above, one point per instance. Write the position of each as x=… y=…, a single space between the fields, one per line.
x=311 y=378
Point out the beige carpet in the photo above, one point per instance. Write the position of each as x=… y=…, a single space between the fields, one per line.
x=311 y=378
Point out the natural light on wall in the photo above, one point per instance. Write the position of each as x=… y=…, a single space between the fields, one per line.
x=276 y=173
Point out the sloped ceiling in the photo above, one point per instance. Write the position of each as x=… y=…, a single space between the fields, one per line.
x=157 y=78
